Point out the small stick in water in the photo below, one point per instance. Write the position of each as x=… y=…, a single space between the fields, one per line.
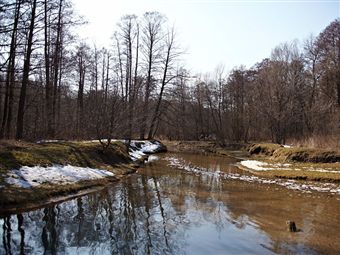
x=291 y=226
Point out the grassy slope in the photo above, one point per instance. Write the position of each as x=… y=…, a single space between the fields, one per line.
x=300 y=159
x=16 y=154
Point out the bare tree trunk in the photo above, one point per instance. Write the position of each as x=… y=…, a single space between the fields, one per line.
x=56 y=64
x=152 y=36
x=120 y=68
x=27 y=62
x=10 y=78
x=48 y=94
x=107 y=81
x=146 y=100
x=59 y=89
x=80 y=99
x=164 y=82
x=133 y=90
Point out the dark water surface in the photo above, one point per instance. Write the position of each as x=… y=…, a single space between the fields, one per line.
x=166 y=210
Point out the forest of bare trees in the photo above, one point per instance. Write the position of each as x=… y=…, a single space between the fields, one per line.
x=55 y=85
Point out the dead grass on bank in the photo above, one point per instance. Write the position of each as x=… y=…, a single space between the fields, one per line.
x=303 y=162
x=330 y=142
x=14 y=154
x=202 y=147
x=279 y=153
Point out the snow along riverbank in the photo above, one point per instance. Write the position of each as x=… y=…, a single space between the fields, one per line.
x=140 y=149
x=264 y=166
x=28 y=177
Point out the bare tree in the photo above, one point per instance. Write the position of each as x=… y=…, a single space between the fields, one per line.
x=151 y=37
x=82 y=59
x=10 y=76
x=26 y=71
x=171 y=54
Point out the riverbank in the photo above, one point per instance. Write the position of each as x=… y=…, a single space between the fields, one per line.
x=35 y=172
x=289 y=162
x=272 y=160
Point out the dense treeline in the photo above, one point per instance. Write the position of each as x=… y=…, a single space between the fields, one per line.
x=294 y=94
x=54 y=85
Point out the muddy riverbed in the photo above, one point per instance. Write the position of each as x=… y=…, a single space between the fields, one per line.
x=183 y=204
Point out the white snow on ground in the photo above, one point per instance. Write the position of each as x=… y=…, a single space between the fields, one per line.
x=287 y=146
x=86 y=141
x=103 y=141
x=290 y=184
x=28 y=177
x=153 y=158
x=254 y=164
x=50 y=141
x=263 y=166
x=139 y=149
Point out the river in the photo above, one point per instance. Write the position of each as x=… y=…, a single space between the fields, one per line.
x=167 y=209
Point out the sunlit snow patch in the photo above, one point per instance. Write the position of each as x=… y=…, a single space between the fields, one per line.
x=153 y=158
x=28 y=177
x=50 y=141
x=263 y=166
x=139 y=149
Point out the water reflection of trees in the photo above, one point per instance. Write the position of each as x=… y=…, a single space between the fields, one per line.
x=126 y=219
x=148 y=213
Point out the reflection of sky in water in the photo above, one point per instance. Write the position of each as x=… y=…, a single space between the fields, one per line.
x=159 y=211
x=89 y=226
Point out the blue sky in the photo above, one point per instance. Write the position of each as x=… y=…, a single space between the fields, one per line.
x=214 y=32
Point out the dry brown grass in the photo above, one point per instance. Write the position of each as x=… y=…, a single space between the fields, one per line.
x=331 y=142
x=279 y=153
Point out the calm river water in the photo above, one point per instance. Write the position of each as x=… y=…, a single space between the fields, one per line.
x=167 y=209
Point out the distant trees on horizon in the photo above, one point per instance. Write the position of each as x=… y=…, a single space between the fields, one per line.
x=54 y=85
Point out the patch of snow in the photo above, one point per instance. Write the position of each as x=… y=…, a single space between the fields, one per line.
x=287 y=146
x=103 y=140
x=263 y=166
x=136 y=154
x=289 y=184
x=255 y=165
x=150 y=147
x=85 y=141
x=50 y=141
x=28 y=177
x=152 y=158
x=139 y=149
